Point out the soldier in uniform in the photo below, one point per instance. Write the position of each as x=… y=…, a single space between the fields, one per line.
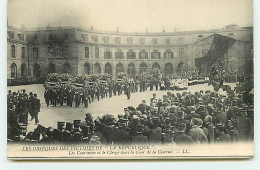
x=156 y=83
x=47 y=96
x=54 y=97
x=77 y=99
x=121 y=135
x=69 y=98
x=30 y=105
x=110 y=89
x=140 y=138
x=61 y=96
x=181 y=138
x=155 y=132
x=86 y=97
x=244 y=125
x=197 y=133
x=98 y=92
x=36 y=108
x=151 y=85
x=128 y=91
x=221 y=136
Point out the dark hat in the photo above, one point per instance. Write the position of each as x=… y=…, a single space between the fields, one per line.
x=76 y=122
x=88 y=116
x=69 y=126
x=60 y=125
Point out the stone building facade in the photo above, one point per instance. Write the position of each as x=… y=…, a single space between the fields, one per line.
x=37 y=52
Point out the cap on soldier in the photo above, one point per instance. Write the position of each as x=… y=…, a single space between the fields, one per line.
x=69 y=126
x=60 y=125
x=76 y=122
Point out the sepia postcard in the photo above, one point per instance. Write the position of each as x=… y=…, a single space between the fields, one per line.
x=150 y=79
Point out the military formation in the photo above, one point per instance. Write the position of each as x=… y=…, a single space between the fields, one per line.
x=203 y=117
x=67 y=90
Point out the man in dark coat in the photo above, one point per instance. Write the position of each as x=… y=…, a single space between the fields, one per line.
x=54 y=97
x=47 y=96
x=36 y=108
x=86 y=97
x=98 y=92
x=77 y=99
x=128 y=91
x=69 y=98
x=61 y=96
x=110 y=89
x=30 y=105
x=221 y=136
x=181 y=138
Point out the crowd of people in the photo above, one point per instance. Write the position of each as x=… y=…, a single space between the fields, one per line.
x=19 y=106
x=182 y=118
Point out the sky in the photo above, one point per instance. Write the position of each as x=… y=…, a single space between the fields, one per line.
x=131 y=15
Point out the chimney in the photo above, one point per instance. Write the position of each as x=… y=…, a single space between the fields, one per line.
x=117 y=30
x=91 y=27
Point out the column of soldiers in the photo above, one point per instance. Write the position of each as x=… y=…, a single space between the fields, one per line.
x=19 y=105
x=97 y=91
x=176 y=119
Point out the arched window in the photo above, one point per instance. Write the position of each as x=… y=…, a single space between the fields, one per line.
x=108 y=68
x=13 y=70
x=168 y=69
x=143 y=68
x=156 y=65
x=36 y=71
x=52 y=68
x=23 y=70
x=119 y=68
x=97 y=68
x=66 y=68
x=131 y=70
x=87 y=68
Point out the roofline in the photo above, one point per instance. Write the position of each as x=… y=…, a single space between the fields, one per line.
x=212 y=31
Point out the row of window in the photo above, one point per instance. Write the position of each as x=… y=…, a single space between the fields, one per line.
x=132 y=55
x=13 y=51
x=35 y=52
x=129 y=40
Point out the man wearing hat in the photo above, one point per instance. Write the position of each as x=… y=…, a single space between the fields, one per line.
x=220 y=114
x=47 y=96
x=208 y=128
x=167 y=137
x=221 y=136
x=139 y=137
x=244 y=126
x=196 y=132
x=181 y=138
x=121 y=135
x=36 y=108
x=155 y=133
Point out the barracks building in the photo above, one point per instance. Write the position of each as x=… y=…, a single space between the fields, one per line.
x=36 y=52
